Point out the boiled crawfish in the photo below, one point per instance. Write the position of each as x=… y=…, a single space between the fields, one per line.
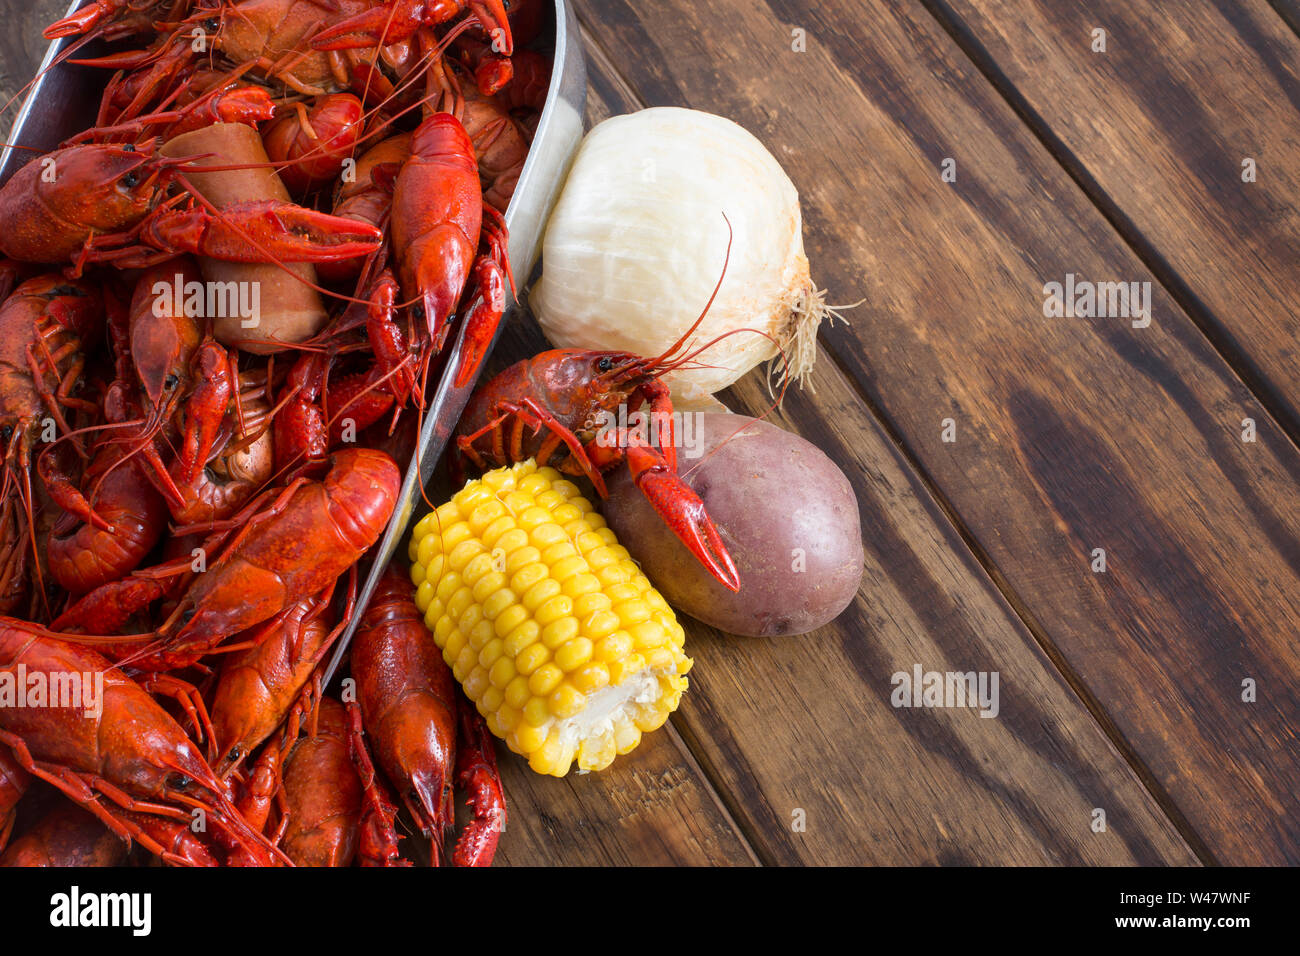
x=131 y=753
x=551 y=408
x=413 y=711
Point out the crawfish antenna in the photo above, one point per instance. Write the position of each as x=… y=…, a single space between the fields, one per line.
x=667 y=354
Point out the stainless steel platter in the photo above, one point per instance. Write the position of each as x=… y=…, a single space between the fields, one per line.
x=61 y=103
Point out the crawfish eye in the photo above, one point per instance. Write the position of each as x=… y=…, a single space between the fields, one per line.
x=130 y=180
x=170 y=382
x=128 y=148
x=177 y=781
x=604 y=364
x=5 y=432
x=235 y=753
x=211 y=24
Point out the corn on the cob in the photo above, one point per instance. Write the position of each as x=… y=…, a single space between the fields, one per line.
x=547 y=622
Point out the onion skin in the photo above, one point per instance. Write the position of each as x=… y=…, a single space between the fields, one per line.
x=639 y=237
x=772 y=495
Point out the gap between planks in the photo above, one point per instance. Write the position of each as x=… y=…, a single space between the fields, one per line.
x=1124 y=227
x=727 y=806
x=607 y=69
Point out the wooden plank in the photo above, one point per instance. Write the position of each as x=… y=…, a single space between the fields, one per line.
x=21 y=50
x=806 y=724
x=1203 y=88
x=653 y=807
x=1289 y=10
x=1072 y=434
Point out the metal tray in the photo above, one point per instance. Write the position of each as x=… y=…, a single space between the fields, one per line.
x=62 y=101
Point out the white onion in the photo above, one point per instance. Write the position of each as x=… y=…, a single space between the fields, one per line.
x=638 y=238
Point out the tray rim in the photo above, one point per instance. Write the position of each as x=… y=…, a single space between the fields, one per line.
x=555 y=143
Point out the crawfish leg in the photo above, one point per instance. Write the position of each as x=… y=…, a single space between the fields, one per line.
x=81 y=789
x=483 y=317
x=570 y=440
x=186 y=695
x=48 y=398
x=378 y=845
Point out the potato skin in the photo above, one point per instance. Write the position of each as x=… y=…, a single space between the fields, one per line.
x=769 y=492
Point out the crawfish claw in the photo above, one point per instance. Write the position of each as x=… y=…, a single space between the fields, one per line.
x=476 y=772
x=683 y=511
x=79 y=21
x=482 y=319
x=265 y=230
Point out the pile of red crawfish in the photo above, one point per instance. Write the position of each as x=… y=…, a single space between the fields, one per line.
x=188 y=486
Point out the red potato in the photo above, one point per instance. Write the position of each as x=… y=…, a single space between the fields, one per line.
x=785 y=511
x=289 y=308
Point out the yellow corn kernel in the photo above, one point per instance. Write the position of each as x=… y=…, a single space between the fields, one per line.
x=476 y=682
x=648 y=634
x=563 y=568
x=539 y=611
x=585 y=585
x=531 y=658
x=621 y=670
x=484 y=514
x=477 y=567
x=510 y=620
x=554 y=609
x=463 y=553
x=600 y=558
x=517 y=692
x=507 y=716
x=491 y=698
x=614 y=647
x=521 y=637
x=574 y=654
x=465 y=662
x=618 y=593
x=528 y=576
x=490 y=653
x=559 y=632
x=536 y=712
x=530 y=738
x=540 y=593
x=521 y=556
x=545 y=679
x=448 y=586
x=453 y=646
x=659 y=659
x=566 y=701
x=626 y=737
x=597 y=753
x=496 y=600
x=424 y=595
x=587 y=606
x=590 y=677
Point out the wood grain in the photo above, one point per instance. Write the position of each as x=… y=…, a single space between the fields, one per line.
x=816 y=765
x=21 y=50
x=1289 y=10
x=653 y=807
x=806 y=723
x=1158 y=127
x=1072 y=434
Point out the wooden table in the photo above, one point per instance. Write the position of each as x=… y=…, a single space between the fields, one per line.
x=1149 y=711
